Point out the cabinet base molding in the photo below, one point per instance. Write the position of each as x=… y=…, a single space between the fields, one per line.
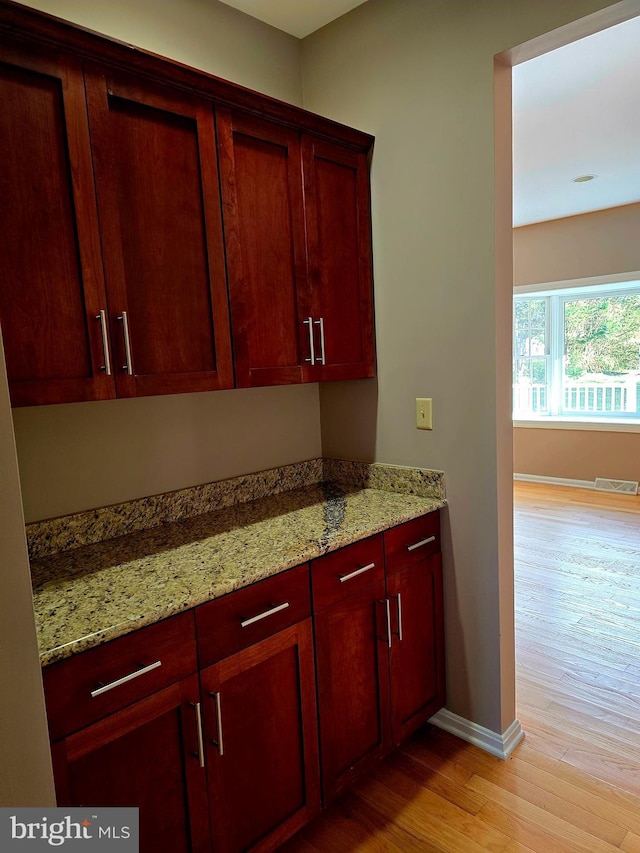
x=500 y=745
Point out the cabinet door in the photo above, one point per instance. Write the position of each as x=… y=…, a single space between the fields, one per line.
x=146 y=756
x=417 y=651
x=261 y=182
x=338 y=223
x=353 y=686
x=262 y=748
x=157 y=183
x=52 y=289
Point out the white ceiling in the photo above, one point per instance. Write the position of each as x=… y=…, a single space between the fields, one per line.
x=576 y=112
x=297 y=17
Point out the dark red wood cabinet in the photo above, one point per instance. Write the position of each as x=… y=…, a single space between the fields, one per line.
x=223 y=724
x=145 y=755
x=338 y=228
x=416 y=612
x=52 y=298
x=416 y=663
x=262 y=203
x=122 y=247
x=351 y=661
x=262 y=749
x=124 y=719
x=227 y=757
x=298 y=234
x=156 y=173
x=353 y=687
x=379 y=647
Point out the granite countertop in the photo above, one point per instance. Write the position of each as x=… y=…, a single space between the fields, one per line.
x=94 y=593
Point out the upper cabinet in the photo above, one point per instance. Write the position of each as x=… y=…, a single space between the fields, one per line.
x=52 y=297
x=155 y=166
x=130 y=266
x=338 y=228
x=262 y=204
x=297 y=231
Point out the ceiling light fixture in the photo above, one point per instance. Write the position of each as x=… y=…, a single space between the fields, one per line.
x=582 y=179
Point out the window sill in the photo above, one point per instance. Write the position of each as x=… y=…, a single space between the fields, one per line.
x=604 y=425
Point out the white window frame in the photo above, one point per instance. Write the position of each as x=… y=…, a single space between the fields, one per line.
x=558 y=293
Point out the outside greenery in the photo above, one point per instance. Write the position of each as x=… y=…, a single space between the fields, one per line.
x=592 y=367
x=602 y=336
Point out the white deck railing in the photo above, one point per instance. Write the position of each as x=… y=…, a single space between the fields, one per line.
x=530 y=398
x=578 y=397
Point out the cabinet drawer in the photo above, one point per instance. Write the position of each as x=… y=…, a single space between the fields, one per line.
x=246 y=616
x=410 y=542
x=87 y=687
x=342 y=573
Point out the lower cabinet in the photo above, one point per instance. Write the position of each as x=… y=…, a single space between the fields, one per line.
x=378 y=613
x=351 y=661
x=416 y=665
x=223 y=724
x=262 y=741
x=416 y=617
x=145 y=755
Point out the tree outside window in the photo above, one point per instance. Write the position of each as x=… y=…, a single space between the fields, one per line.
x=576 y=353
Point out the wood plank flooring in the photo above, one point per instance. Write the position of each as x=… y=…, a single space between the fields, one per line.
x=573 y=784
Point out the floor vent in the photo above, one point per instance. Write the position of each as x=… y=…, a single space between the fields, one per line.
x=625 y=487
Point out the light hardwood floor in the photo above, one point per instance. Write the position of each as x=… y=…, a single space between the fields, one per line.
x=573 y=784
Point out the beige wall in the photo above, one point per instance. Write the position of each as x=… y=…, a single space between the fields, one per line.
x=204 y=34
x=25 y=763
x=419 y=75
x=86 y=455
x=577 y=454
x=600 y=243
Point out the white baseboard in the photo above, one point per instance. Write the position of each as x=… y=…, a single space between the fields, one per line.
x=556 y=481
x=499 y=745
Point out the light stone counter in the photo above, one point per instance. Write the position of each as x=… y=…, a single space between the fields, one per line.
x=86 y=596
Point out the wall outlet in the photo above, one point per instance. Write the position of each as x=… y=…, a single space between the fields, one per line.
x=423 y=413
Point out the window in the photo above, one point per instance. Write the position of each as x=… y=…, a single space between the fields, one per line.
x=576 y=353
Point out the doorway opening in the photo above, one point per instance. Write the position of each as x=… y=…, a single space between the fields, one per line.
x=577 y=598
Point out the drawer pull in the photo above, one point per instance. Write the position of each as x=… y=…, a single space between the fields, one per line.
x=219 y=744
x=104 y=688
x=275 y=609
x=200 y=753
x=361 y=570
x=421 y=543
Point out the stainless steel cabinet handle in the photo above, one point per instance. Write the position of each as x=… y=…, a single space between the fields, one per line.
x=398 y=598
x=275 y=609
x=127 y=343
x=361 y=570
x=387 y=604
x=219 y=744
x=421 y=543
x=104 y=688
x=102 y=317
x=312 y=349
x=200 y=753
x=321 y=358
